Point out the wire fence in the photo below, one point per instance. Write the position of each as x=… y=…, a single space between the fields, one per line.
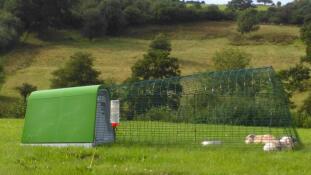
x=223 y=107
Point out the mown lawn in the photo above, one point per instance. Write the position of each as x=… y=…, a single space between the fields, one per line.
x=144 y=159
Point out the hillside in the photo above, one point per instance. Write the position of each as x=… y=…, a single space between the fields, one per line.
x=194 y=44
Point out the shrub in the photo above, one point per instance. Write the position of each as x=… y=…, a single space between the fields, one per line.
x=248 y=21
x=2 y=76
x=10 y=31
x=231 y=59
x=15 y=109
x=94 y=23
x=157 y=63
x=25 y=90
x=78 y=71
x=158 y=114
x=302 y=120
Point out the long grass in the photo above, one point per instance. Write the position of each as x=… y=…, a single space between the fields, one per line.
x=194 y=44
x=145 y=159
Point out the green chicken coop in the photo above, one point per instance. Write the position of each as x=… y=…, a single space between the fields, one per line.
x=78 y=116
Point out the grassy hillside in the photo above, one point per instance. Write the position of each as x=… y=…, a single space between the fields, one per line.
x=194 y=44
x=144 y=159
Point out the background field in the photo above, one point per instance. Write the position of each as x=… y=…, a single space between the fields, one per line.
x=193 y=43
x=146 y=159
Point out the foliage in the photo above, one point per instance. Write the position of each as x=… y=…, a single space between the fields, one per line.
x=306 y=107
x=25 y=90
x=112 y=10
x=2 y=76
x=94 y=23
x=39 y=15
x=292 y=13
x=16 y=109
x=78 y=71
x=302 y=120
x=10 y=30
x=157 y=63
x=214 y=13
x=248 y=21
x=240 y=4
x=158 y=114
x=231 y=59
x=306 y=33
x=295 y=78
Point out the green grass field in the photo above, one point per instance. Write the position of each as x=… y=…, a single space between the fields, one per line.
x=194 y=44
x=146 y=159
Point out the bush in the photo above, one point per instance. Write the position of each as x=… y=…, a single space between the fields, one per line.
x=231 y=59
x=94 y=23
x=25 y=90
x=78 y=71
x=157 y=63
x=302 y=120
x=158 y=114
x=15 y=109
x=248 y=21
x=2 y=76
x=10 y=31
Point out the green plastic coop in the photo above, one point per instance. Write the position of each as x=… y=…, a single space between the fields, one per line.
x=78 y=116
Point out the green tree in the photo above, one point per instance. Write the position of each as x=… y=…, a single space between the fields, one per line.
x=306 y=107
x=1 y=75
x=240 y=4
x=295 y=78
x=279 y=4
x=231 y=59
x=78 y=71
x=25 y=90
x=306 y=37
x=157 y=63
x=94 y=23
x=10 y=30
x=39 y=15
x=113 y=12
x=248 y=21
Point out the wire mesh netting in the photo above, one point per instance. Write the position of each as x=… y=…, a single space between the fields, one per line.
x=214 y=106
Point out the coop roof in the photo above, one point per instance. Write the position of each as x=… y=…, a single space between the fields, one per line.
x=61 y=116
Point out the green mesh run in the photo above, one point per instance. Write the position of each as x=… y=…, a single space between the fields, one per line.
x=213 y=106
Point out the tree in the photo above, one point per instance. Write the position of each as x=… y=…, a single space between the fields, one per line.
x=240 y=4
x=265 y=1
x=39 y=15
x=25 y=90
x=113 y=12
x=10 y=30
x=306 y=33
x=279 y=4
x=78 y=71
x=295 y=78
x=306 y=107
x=230 y=59
x=157 y=63
x=248 y=21
x=94 y=23
x=306 y=37
x=1 y=75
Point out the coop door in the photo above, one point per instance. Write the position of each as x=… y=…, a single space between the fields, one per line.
x=103 y=131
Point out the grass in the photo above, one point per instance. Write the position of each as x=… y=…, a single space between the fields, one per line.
x=144 y=159
x=194 y=44
x=180 y=133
